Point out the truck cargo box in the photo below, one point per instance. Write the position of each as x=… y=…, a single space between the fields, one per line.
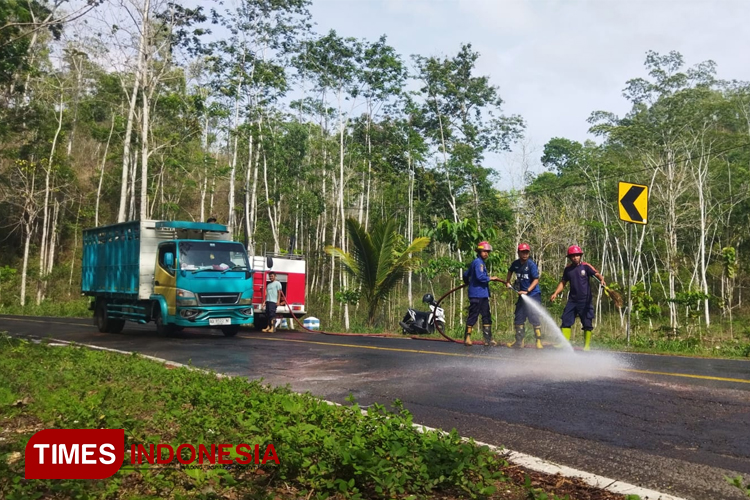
x=118 y=260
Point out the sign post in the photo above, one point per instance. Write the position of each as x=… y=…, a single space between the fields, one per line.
x=633 y=208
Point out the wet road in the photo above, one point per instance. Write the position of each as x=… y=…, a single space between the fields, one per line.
x=676 y=425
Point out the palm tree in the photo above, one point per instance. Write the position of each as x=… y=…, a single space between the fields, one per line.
x=377 y=261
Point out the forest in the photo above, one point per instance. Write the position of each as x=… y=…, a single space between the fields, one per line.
x=117 y=110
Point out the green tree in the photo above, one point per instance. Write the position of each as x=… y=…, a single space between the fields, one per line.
x=378 y=260
x=462 y=116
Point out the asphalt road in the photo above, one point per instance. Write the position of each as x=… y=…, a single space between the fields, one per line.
x=673 y=424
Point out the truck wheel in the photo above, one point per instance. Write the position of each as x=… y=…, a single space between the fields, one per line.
x=100 y=316
x=231 y=330
x=115 y=325
x=161 y=327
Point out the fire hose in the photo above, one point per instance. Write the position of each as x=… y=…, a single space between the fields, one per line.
x=341 y=334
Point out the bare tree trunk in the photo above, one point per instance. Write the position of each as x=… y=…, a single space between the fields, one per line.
x=233 y=171
x=144 y=215
x=334 y=226
x=452 y=201
x=211 y=199
x=131 y=112
x=101 y=173
x=25 y=265
x=53 y=242
x=248 y=195
x=133 y=173
x=45 y=244
x=271 y=221
x=342 y=126
x=75 y=246
x=410 y=224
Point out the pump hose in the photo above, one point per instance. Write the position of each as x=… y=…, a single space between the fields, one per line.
x=340 y=334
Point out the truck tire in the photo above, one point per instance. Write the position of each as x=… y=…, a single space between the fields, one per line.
x=115 y=325
x=161 y=327
x=104 y=323
x=230 y=331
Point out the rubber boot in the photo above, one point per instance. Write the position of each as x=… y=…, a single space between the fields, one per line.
x=538 y=337
x=520 y=334
x=487 y=332
x=587 y=340
x=566 y=334
x=467 y=335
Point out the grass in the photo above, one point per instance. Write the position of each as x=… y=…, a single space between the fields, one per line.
x=74 y=308
x=324 y=451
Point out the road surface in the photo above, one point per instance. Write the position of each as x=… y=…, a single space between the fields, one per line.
x=673 y=424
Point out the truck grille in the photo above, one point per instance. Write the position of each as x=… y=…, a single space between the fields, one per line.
x=210 y=299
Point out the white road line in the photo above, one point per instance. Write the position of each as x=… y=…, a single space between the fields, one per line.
x=518 y=458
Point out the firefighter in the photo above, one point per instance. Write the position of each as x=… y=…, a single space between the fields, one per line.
x=478 y=279
x=527 y=283
x=578 y=274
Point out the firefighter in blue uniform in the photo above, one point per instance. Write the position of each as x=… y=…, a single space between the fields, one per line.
x=478 y=279
x=527 y=283
x=578 y=274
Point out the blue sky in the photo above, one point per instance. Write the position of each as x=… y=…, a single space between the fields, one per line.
x=555 y=61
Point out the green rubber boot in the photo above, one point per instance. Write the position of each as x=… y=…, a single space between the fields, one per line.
x=566 y=334
x=587 y=340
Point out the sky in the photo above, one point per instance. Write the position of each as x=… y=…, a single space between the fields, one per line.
x=554 y=61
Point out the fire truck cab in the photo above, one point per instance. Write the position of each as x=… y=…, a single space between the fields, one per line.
x=290 y=271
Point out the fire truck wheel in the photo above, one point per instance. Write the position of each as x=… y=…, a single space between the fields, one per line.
x=230 y=331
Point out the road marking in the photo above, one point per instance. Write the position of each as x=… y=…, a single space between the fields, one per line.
x=687 y=375
x=463 y=355
x=46 y=322
x=455 y=354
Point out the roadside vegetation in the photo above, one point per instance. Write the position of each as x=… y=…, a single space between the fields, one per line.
x=324 y=450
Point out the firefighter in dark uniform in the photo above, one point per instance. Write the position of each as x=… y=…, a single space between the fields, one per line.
x=578 y=274
x=527 y=283
x=478 y=279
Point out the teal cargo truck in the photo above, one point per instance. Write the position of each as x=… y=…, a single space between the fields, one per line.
x=175 y=273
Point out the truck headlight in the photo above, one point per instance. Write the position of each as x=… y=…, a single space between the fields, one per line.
x=246 y=302
x=186 y=298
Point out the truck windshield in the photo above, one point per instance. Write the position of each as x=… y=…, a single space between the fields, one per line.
x=212 y=256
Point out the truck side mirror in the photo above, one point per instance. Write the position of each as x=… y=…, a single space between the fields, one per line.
x=269 y=262
x=169 y=260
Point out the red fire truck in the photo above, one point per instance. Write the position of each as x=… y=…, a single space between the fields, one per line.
x=290 y=271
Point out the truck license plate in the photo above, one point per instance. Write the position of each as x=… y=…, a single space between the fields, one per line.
x=219 y=321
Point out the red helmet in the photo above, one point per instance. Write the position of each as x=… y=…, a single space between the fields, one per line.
x=484 y=246
x=574 y=250
x=524 y=247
